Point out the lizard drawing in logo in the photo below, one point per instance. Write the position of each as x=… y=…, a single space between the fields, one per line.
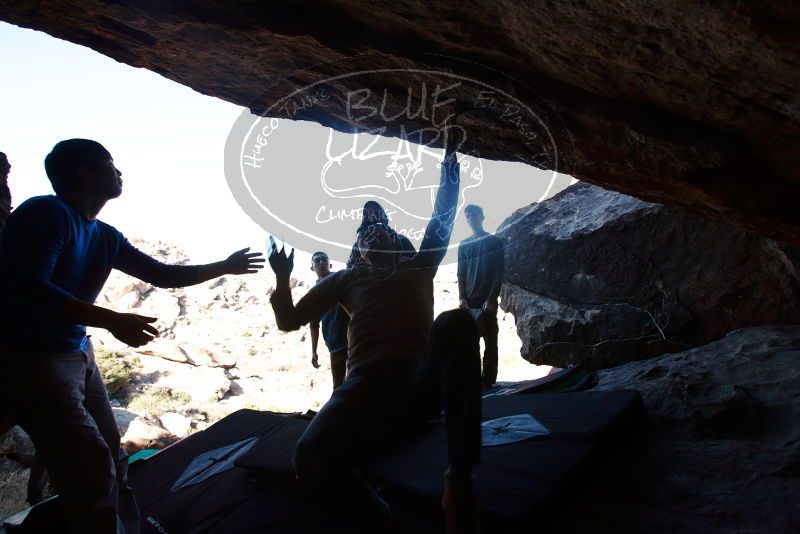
x=397 y=172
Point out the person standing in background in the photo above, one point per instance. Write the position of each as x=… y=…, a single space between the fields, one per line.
x=481 y=264
x=334 y=326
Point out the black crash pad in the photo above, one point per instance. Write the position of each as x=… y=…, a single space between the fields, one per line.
x=253 y=489
x=514 y=481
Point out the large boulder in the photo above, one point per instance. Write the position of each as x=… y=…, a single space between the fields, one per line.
x=721 y=450
x=692 y=103
x=596 y=276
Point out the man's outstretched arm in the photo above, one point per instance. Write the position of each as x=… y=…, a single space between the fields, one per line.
x=136 y=263
x=440 y=227
x=320 y=298
x=314 y=344
x=132 y=329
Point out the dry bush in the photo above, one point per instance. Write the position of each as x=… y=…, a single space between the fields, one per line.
x=13 y=486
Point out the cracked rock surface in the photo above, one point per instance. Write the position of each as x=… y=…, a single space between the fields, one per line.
x=721 y=450
x=693 y=104
x=596 y=276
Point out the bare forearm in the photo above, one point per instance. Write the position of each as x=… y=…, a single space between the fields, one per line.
x=188 y=275
x=210 y=271
x=136 y=263
x=314 y=339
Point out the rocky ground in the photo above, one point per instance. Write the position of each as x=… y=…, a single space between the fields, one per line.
x=720 y=452
x=219 y=351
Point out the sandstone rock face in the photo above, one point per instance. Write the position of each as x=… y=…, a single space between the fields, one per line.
x=687 y=104
x=593 y=275
x=721 y=452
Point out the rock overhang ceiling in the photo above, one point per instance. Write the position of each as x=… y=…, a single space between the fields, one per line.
x=694 y=105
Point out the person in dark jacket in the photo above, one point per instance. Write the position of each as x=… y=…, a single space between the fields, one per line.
x=55 y=257
x=374 y=213
x=480 y=276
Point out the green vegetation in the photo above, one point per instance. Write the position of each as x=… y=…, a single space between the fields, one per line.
x=116 y=371
x=157 y=401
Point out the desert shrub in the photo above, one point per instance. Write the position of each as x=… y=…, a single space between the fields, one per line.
x=157 y=401
x=13 y=484
x=116 y=371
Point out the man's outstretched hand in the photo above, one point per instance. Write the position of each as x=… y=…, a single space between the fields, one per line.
x=133 y=330
x=244 y=262
x=281 y=264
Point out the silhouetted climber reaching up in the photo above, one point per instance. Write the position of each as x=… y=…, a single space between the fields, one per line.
x=334 y=326
x=403 y=366
x=55 y=257
x=374 y=213
x=481 y=264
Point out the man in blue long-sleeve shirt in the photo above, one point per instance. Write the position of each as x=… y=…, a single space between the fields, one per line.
x=480 y=276
x=55 y=256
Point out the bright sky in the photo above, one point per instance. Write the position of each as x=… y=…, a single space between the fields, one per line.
x=166 y=139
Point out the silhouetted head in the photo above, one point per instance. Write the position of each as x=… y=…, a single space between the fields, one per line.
x=474 y=215
x=374 y=213
x=83 y=167
x=375 y=244
x=5 y=166
x=320 y=264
